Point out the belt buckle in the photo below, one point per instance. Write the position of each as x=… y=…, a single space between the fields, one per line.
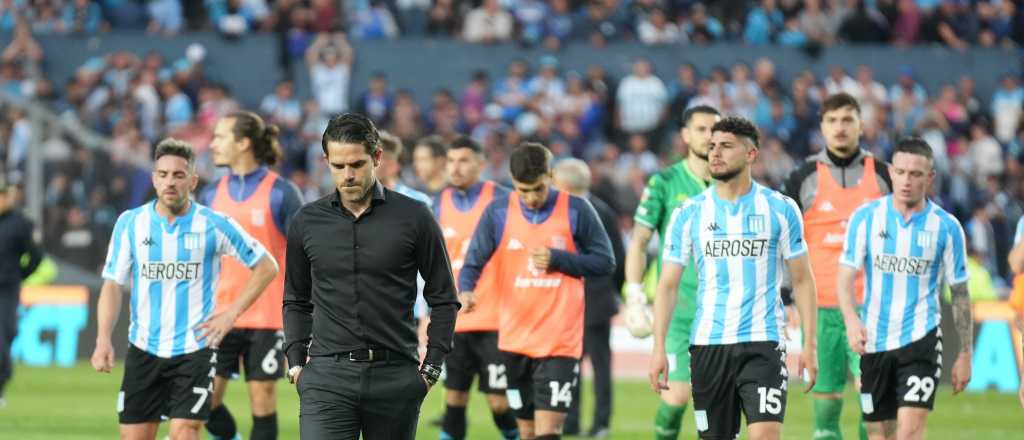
x=370 y=351
x=352 y=356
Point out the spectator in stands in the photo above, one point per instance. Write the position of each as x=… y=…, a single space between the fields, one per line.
x=47 y=19
x=638 y=157
x=742 y=92
x=871 y=94
x=996 y=23
x=547 y=81
x=985 y=154
x=489 y=23
x=329 y=59
x=682 y=89
x=8 y=15
x=165 y=17
x=281 y=108
x=374 y=23
x=763 y=23
x=125 y=14
x=324 y=16
x=839 y=82
x=906 y=27
x=791 y=34
x=596 y=26
x=702 y=28
x=818 y=25
x=23 y=50
x=558 y=25
x=378 y=102
x=952 y=25
x=442 y=19
x=475 y=97
x=78 y=244
x=1006 y=108
x=530 y=16
x=82 y=17
x=657 y=30
x=177 y=106
x=642 y=100
x=864 y=25
x=412 y=16
x=512 y=92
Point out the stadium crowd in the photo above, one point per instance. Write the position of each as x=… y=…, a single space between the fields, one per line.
x=626 y=128
x=809 y=23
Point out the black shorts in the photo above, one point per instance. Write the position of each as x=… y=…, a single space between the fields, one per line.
x=727 y=379
x=906 y=376
x=546 y=384
x=177 y=387
x=475 y=354
x=259 y=350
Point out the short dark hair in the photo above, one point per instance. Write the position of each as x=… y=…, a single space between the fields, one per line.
x=438 y=146
x=702 y=109
x=740 y=127
x=466 y=142
x=390 y=143
x=266 y=148
x=838 y=101
x=352 y=128
x=913 y=145
x=176 y=147
x=529 y=161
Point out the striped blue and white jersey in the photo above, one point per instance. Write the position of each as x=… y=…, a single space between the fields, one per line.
x=739 y=249
x=905 y=264
x=173 y=271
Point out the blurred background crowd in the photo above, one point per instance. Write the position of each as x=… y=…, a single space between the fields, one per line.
x=625 y=126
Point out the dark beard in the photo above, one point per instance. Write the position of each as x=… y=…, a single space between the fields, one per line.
x=726 y=176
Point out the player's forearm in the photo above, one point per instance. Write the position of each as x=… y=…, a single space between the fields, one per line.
x=263 y=273
x=1016 y=259
x=636 y=255
x=845 y=292
x=108 y=308
x=664 y=305
x=962 y=317
x=806 y=300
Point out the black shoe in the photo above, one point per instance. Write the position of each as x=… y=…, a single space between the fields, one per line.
x=599 y=432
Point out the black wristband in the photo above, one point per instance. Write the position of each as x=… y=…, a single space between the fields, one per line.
x=431 y=373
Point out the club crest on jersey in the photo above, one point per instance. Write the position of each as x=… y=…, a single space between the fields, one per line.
x=926 y=239
x=514 y=245
x=558 y=242
x=191 y=240
x=755 y=224
x=257 y=217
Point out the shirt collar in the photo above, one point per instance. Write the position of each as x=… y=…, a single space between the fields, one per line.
x=379 y=196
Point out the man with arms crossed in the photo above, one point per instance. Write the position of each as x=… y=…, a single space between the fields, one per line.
x=262 y=202
x=475 y=352
x=907 y=247
x=665 y=191
x=828 y=187
x=542 y=242
x=738 y=234
x=170 y=251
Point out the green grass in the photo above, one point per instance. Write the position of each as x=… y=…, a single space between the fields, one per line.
x=77 y=403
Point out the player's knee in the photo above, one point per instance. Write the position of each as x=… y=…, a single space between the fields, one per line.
x=498 y=403
x=182 y=429
x=677 y=394
x=764 y=431
x=456 y=398
x=263 y=396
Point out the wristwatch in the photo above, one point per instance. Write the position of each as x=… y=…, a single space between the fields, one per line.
x=431 y=373
x=292 y=372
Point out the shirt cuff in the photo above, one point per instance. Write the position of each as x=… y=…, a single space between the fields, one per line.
x=297 y=354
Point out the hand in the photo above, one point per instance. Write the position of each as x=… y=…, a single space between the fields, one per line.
x=468 y=301
x=638 y=314
x=294 y=378
x=217 y=327
x=961 y=372
x=426 y=382
x=856 y=335
x=658 y=374
x=103 y=356
x=541 y=258
x=808 y=365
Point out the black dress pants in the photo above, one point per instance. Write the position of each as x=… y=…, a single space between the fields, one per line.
x=340 y=399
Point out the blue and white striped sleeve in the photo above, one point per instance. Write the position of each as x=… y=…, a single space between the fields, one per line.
x=791 y=239
x=678 y=242
x=954 y=256
x=855 y=245
x=1020 y=232
x=118 y=266
x=232 y=240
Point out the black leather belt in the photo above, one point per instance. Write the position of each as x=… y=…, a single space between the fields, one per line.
x=367 y=355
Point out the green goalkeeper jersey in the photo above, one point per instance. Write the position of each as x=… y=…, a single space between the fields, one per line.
x=666 y=191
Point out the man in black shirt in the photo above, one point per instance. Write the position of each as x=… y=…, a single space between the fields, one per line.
x=350 y=286
x=15 y=242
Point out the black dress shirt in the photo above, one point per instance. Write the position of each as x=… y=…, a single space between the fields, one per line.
x=351 y=283
x=16 y=241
